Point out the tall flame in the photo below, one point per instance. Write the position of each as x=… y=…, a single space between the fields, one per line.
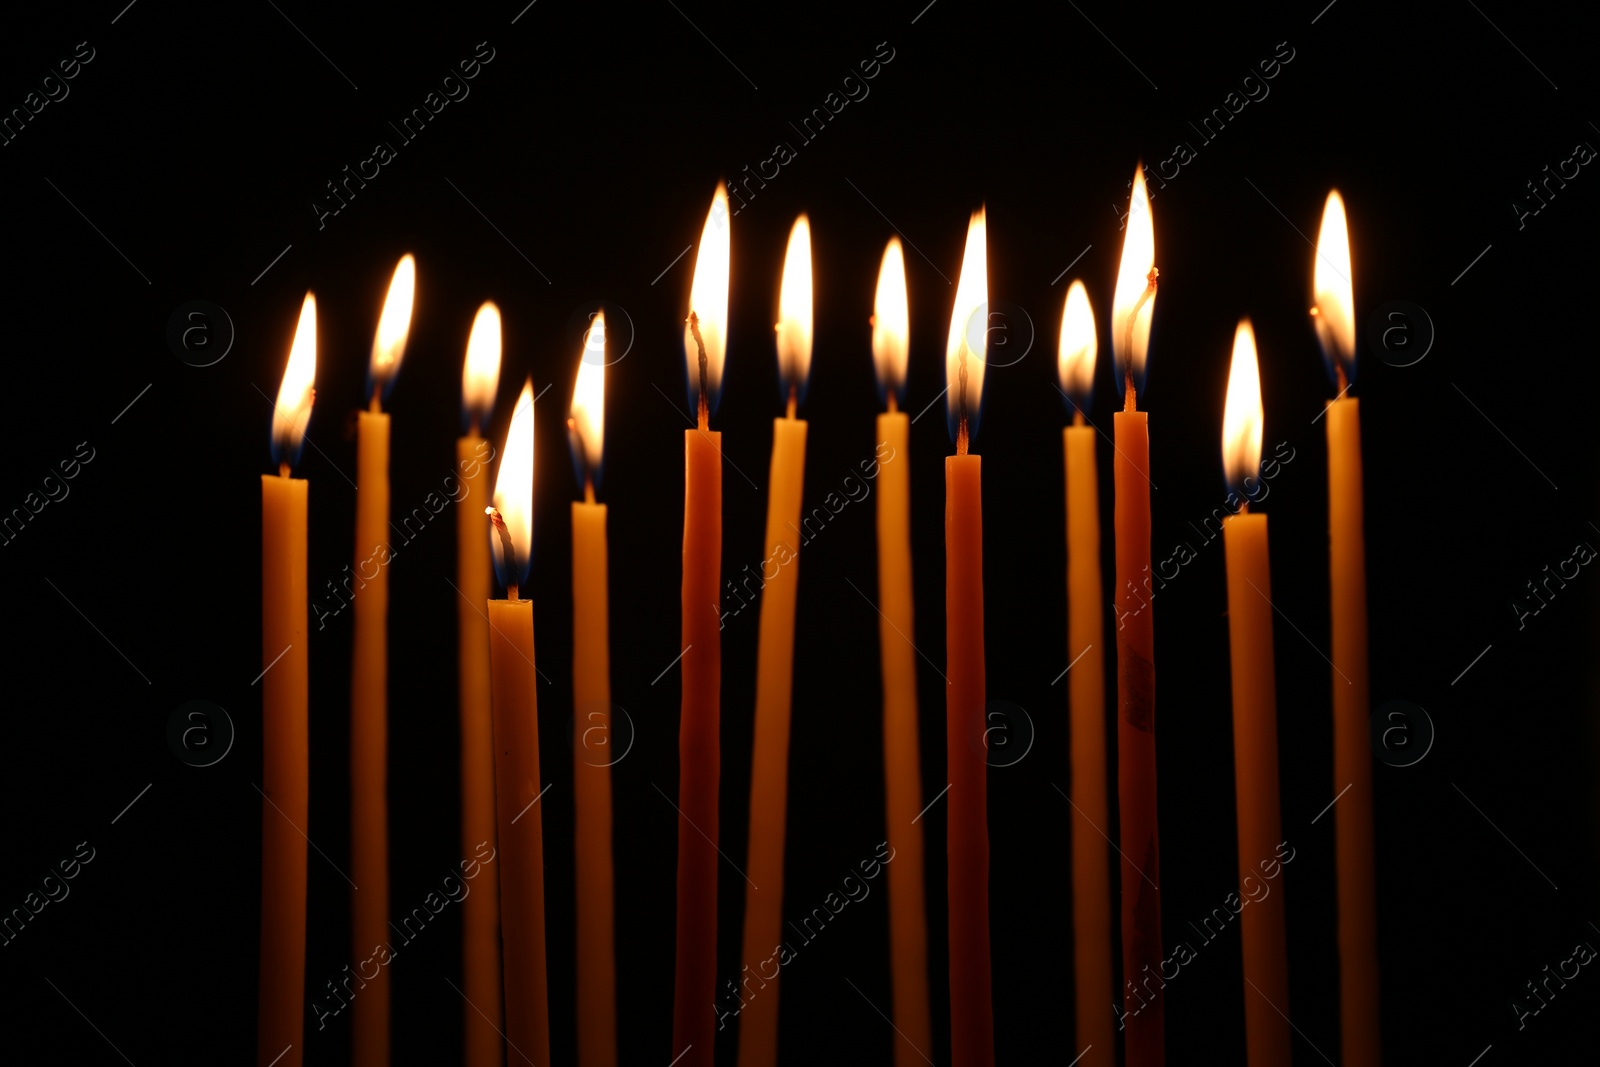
x=1241 y=414
x=1079 y=346
x=513 y=493
x=969 y=330
x=708 y=302
x=891 y=324
x=1138 y=257
x=292 y=413
x=794 y=313
x=389 y=340
x=587 y=427
x=480 y=374
x=1334 y=314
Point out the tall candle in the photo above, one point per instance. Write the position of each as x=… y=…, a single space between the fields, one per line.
x=515 y=710
x=769 y=773
x=591 y=717
x=285 y=701
x=1086 y=692
x=902 y=775
x=480 y=909
x=369 y=678
x=1255 y=719
x=1334 y=317
x=1143 y=1006
x=971 y=1001
x=699 y=746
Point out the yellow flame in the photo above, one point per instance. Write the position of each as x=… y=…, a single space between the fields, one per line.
x=389 y=341
x=480 y=374
x=794 y=309
x=589 y=393
x=1335 y=319
x=891 y=320
x=1138 y=256
x=1079 y=345
x=708 y=297
x=1241 y=414
x=969 y=320
x=513 y=488
x=292 y=412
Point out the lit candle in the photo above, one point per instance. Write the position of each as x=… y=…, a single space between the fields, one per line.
x=1334 y=318
x=971 y=1003
x=480 y=909
x=515 y=705
x=902 y=774
x=1131 y=309
x=369 y=677
x=285 y=699
x=591 y=708
x=769 y=774
x=699 y=751
x=1086 y=691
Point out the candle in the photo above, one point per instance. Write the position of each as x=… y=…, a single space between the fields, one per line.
x=908 y=922
x=1334 y=318
x=369 y=677
x=480 y=914
x=285 y=699
x=1143 y=1005
x=1086 y=691
x=515 y=705
x=971 y=1004
x=591 y=716
x=699 y=751
x=769 y=774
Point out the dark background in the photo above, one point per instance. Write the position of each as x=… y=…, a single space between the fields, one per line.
x=187 y=157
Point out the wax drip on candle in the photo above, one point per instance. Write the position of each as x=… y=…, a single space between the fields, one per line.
x=699 y=343
x=499 y=525
x=1130 y=399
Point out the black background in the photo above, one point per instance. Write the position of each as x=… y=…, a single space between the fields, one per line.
x=187 y=157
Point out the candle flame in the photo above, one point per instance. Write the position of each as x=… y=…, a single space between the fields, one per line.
x=891 y=324
x=969 y=330
x=794 y=313
x=587 y=426
x=1241 y=414
x=389 y=340
x=1079 y=346
x=513 y=493
x=1138 y=258
x=1335 y=314
x=708 y=302
x=293 y=411
x=480 y=374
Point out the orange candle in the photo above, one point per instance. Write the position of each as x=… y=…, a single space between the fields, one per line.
x=1334 y=317
x=699 y=746
x=1086 y=692
x=971 y=1002
x=1143 y=1007
x=369 y=678
x=902 y=774
x=769 y=774
x=591 y=716
x=515 y=710
x=285 y=702
x=1255 y=718
x=480 y=909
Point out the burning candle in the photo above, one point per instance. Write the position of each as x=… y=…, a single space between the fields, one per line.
x=971 y=1004
x=699 y=751
x=369 y=676
x=1334 y=318
x=285 y=699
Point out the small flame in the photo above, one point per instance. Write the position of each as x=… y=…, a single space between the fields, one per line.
x=513 y=493
x=794 y=313
x=891 y=323
x=587 y=427
x=1241 y=414
x=708 y=302
x=389 y=341
x=969 y=331
x=293 y=411
x=1138 y=257
x=1335 y=314
x=480 y=374
x=1079 y=346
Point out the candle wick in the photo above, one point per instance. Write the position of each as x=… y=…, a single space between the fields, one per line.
x=1077 y=415
x=794 y=400
x=1338 y=367
x=283 y=470
x=1130 y=402
x=893 y=406
x=1129 y=397
x=961 y=401
x=588 y=489
x=498 y=522
x=375 y=407
x=699 y=343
